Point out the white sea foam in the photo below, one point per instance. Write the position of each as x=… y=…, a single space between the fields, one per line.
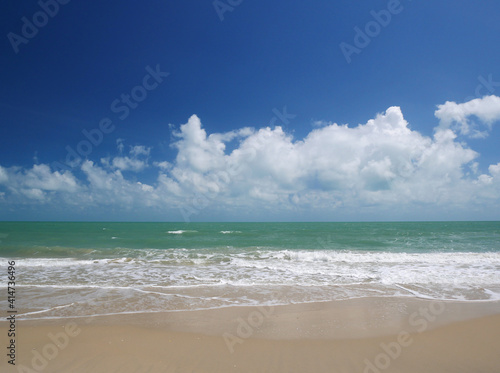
x=28 y=264
x=184 y=267
x=196 y=279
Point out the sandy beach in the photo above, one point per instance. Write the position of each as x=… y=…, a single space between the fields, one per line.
x=368 y=335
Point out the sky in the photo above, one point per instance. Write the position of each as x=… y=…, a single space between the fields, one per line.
x=237 y=110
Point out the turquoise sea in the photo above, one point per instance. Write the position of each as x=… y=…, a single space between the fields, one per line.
x=81 y=269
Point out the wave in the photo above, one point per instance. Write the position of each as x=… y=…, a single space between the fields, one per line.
x=184 y=267
x=259 y=255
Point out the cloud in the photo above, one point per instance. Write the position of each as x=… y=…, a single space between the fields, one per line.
x=3 y=175
x=111 y=188
x=196 y=151
x=99 y=178
x=140 y=150
x=495 y=170
x=457 y=116
x=33 y=193
x=128 y=164
x=164 y=165
x=131 y=162
x=382 y=162
x=199 y=152
x=381 y=166
x=38 y=183
x=41 y=177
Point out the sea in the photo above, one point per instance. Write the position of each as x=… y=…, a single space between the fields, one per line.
x=81 y=269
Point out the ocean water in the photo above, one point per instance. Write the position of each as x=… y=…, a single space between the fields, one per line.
x=83 y=269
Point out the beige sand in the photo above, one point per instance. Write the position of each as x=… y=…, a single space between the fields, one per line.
x=369 y=335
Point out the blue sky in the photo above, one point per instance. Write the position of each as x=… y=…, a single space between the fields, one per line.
x=212 y=111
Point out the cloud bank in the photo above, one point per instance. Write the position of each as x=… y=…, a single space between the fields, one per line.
x=336 y=172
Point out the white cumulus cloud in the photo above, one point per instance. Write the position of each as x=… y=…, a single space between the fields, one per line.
x=38 y=183
x=41 y=177
x=128 y=164
x=140 y=150
x=131 y=162
x=382 y=165
x=457 y=116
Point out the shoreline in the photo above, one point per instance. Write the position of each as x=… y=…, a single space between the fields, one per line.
x=344 y=336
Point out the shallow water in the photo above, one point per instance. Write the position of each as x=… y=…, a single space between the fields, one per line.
x=68 y=269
